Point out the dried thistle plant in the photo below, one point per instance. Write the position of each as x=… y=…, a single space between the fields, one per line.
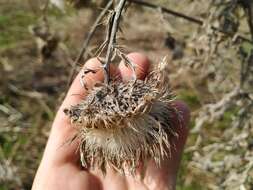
x=123 y=124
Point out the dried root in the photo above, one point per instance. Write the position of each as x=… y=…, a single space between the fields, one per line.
x=121 y=125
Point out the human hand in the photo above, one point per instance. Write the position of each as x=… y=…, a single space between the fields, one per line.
x=60 y=165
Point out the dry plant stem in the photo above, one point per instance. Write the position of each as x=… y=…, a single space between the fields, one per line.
x=86 y=42
x=112 y=39
x=180 y=15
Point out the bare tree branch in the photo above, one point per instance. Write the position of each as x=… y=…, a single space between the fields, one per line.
x=86 y=42
x=169 y=11
x=180 y=15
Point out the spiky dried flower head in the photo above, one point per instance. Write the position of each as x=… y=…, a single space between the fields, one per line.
x=123 y=124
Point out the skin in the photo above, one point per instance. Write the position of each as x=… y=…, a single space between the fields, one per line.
x=60 y=166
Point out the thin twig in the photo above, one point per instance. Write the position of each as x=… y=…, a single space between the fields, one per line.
x=86 y=42
x=166 y=10
x=186 y=17
x=112 y=39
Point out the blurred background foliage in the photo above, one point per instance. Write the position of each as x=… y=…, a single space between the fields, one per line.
x=210 y=70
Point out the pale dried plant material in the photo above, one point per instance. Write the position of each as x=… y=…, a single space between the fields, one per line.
x=7 y=173
x=124 y=124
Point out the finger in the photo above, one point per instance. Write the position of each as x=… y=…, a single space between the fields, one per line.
x=62 y=131
x=158 y=177
x=141 y=64
x=77 y=92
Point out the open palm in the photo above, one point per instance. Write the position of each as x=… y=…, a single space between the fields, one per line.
x=60 y=166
